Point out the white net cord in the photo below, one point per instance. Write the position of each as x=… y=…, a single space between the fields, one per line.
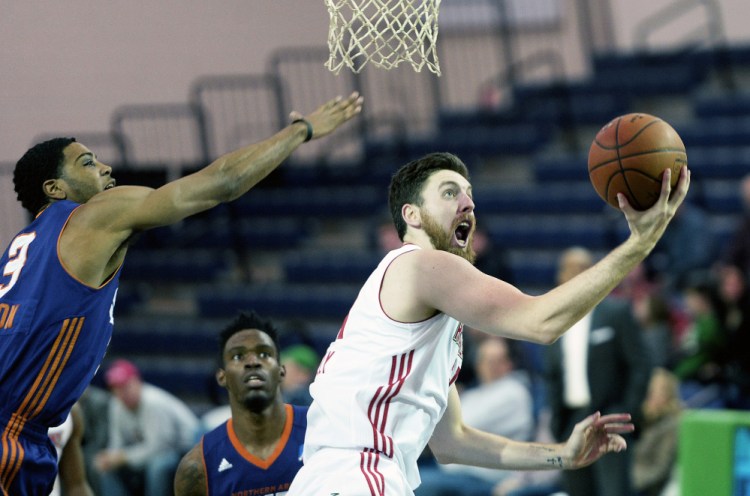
x=383 y=33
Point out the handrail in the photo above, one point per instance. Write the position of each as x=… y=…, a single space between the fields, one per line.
x=673 y=12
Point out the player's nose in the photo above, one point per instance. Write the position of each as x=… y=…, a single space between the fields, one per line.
x=466 y=203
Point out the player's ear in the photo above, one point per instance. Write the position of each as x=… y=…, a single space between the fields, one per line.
x=411 y=215
x=52 y=189
x=282 y=371
x=221 y=378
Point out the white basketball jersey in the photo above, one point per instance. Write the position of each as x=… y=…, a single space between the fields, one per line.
x=383 y=385
x=60 y=436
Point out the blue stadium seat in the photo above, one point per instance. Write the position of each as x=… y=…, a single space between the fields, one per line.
x=561 y=167
x=330 y=267
x=310 y=202
x=173 y=265
x=551 y=198
x=284 y=301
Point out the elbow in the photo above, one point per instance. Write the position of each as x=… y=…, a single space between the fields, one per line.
x=443 y=457
x=548 y=338
x=443 y=449
x=545 y=333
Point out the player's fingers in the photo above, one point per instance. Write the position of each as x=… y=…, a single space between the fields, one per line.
x=619 y=428
x=624 y=204
x=614 y=417
x=666 y=184
x=683 y=184
x=616 y=444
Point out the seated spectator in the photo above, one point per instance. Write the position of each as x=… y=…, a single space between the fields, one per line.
x=300 y=362
x=655 y=450
x=94 y=405
x=501 y=404
x=149 y=431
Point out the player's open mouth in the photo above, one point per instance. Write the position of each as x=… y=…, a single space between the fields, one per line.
x=462 y=232
x=110 y=185
x=254 y=380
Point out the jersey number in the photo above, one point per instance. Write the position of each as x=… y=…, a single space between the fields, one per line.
x=16 y=260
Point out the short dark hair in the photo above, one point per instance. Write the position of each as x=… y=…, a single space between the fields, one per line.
x=40 y=163
x=407 y=182
x=247 y=320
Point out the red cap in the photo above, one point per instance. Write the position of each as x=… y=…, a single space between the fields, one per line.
x=120 y=372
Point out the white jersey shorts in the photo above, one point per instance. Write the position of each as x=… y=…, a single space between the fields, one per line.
x=345 y=472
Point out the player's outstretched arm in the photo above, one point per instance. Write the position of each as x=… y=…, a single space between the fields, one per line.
x=226 y=179
x=592 y=438
x=429 y=278
x=190 y=478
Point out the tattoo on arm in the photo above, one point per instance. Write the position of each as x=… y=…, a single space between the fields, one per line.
x=190 y=480
x=556 y=462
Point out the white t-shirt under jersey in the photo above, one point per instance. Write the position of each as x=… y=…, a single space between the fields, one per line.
x=383 y=385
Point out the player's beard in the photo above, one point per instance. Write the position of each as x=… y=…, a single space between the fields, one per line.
x=441 y=240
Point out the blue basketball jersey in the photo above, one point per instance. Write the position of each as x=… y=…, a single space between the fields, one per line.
x=54 y=331
x=231 y=470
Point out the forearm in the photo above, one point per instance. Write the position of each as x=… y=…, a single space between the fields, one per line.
x=481 y=449
x=568 y=303
x=234 y=173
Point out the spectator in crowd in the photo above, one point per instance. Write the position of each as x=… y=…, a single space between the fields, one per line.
x=491 y=259
x=300 y=362
x=71 y=470
x=652 y=311
x=737 y=252
x=149 y=431
x=655 y=450
x=702 y=349
x=688 y=245
x=94 y=404
x=258 y=451
x=734 y=293
x=386 y=236
x=600 y=364
x=500 y=403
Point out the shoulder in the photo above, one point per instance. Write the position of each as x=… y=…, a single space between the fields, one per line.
x=418 y=260
x=300 y=416
x=190 y=478
x=102 y=208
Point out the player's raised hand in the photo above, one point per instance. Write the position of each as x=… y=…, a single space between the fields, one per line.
x=329 y=116
x=594 y=437
x=650 y=224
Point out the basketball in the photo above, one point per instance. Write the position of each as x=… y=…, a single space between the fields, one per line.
x=629 y=155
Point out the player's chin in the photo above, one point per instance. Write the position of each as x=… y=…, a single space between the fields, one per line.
x=257 y=400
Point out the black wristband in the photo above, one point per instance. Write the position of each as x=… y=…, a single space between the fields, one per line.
x=309 y=128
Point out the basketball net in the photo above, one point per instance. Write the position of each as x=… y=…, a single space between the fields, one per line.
x=383 y=33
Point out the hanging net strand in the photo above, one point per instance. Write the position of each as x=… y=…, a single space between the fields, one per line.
x=383 y=33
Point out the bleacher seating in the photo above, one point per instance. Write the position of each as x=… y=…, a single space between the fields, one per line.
x=318 y=301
